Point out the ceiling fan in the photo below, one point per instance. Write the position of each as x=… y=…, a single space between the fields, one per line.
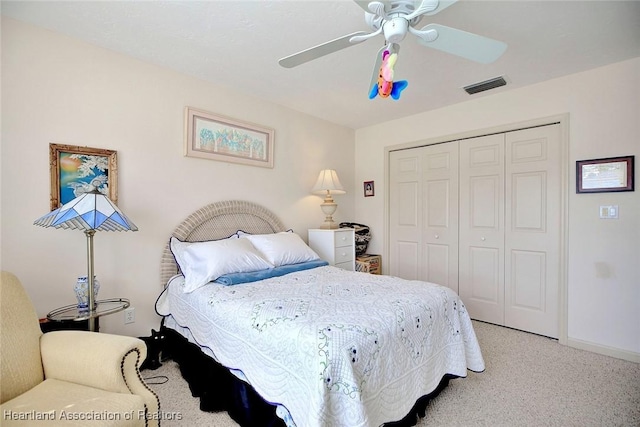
x=396 y=18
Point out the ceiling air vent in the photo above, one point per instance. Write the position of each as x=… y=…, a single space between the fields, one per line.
x=485 y=85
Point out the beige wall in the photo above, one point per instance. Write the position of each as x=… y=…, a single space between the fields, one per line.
x=604 y=255
x=55 y=89
x=58 y=90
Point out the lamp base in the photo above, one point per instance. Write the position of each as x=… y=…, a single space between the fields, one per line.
x=328 y=207
x=329 y=225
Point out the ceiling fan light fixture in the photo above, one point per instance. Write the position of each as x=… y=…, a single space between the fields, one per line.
x=485 y=85
x=395 y=30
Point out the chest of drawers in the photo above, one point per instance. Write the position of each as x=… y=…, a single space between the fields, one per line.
x=337 y=247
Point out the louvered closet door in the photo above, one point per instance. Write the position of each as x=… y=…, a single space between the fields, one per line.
x=481 y=248
x=532 y=229
x=404 y=213
x=440 y=214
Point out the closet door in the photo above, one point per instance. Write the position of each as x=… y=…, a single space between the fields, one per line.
x=483 y=217
x=440 y=214
x=405 y=223
x=481 y=250
x=423 y=214
x=532 y=229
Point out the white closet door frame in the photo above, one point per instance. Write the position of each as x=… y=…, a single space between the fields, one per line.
x=563 y=121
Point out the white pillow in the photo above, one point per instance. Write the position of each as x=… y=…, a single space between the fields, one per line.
x=202 y=262
x=281 y=248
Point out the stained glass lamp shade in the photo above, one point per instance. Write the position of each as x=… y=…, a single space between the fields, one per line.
x=327 y=184
x=89 y=212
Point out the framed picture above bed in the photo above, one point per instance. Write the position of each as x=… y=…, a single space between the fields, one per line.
x=214 y=137
x=75 y=170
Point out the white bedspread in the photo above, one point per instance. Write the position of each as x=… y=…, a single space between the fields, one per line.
x=334 y=347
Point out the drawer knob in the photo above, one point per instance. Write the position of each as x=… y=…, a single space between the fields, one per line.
x=483 y=239
x=437 y=237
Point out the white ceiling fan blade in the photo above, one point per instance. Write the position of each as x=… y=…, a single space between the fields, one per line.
x=442 y=4
x=424 y=8
x=376 y=68
x=461 y=43
x=321 y=50
x=358 y=39
x=426 y=34
x=378 y=9
x=364 y=4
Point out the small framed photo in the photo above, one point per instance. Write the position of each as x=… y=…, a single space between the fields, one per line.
x=214 y=137
x=605 y=175
x=75 y=170
x=369 y=190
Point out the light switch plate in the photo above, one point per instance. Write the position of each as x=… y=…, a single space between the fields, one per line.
x=609 y=212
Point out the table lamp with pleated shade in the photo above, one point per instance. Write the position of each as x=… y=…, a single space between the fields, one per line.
x=328 y=184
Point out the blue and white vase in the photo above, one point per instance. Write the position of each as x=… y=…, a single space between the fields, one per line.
x=82 y=292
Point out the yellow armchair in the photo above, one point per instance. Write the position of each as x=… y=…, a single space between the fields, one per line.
x=69 y=377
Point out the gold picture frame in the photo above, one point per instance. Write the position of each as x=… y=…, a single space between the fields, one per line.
x=214 y=137
x=75 y=169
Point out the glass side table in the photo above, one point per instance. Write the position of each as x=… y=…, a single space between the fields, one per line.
x=73 y=313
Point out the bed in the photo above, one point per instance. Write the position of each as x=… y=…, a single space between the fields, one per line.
x=308 y=347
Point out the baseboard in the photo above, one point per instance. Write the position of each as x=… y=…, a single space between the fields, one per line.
x=603 y=349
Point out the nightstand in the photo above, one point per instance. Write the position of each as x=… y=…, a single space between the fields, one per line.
x=336 y=246
x=69 y=317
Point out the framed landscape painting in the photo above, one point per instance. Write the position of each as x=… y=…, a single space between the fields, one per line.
x=213 y=137
x=75 y=170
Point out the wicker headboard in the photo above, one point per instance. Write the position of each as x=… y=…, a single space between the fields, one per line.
x=218 y=221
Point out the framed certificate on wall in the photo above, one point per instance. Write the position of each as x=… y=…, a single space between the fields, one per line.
x=605 y=175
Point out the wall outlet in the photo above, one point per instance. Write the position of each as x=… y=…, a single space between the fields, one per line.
x=129 y=315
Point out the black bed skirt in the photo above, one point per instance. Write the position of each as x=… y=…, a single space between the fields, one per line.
x=220 y=390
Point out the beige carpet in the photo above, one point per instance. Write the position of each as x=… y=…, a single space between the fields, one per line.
x=529 y=381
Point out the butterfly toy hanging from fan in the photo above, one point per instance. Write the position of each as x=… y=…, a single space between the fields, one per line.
x=383 y=84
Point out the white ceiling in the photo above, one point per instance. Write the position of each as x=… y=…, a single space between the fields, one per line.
x=238 y=44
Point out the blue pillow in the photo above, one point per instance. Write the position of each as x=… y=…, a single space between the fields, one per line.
x=254 y=276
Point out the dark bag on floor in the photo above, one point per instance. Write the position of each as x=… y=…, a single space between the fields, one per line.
x=362 y=234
